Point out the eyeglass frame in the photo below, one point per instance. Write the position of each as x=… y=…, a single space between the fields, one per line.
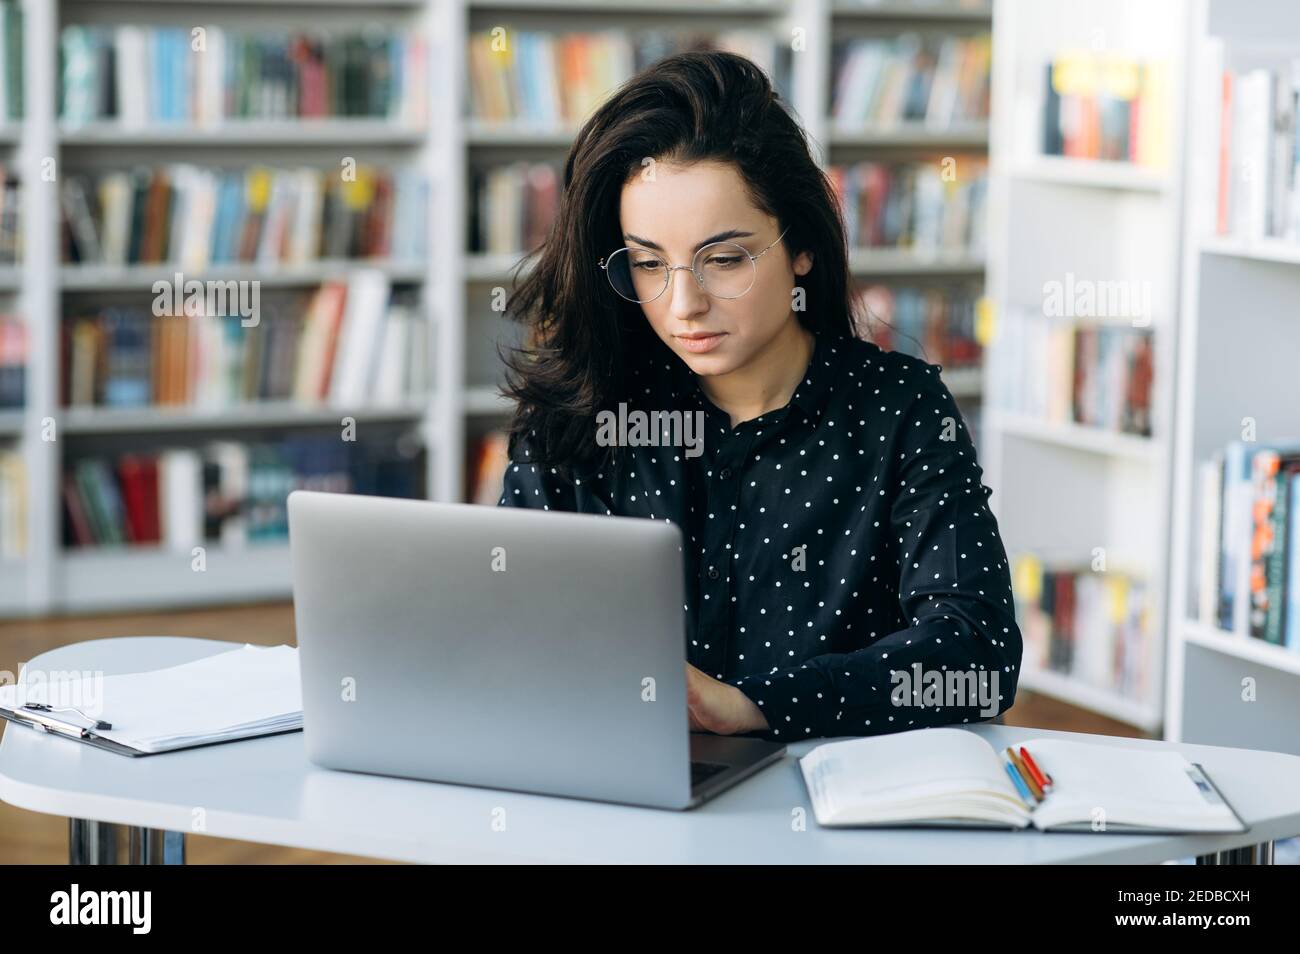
x=668 y=277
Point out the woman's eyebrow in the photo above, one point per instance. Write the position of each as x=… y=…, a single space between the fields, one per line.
x=720 y=237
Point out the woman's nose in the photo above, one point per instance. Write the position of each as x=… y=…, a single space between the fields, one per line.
x=688 y=298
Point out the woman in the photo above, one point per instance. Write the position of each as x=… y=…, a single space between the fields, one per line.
x=841 y=558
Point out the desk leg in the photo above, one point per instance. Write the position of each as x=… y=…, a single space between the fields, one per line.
x=92 y=842
x=152 y=846
x=1261 y=854
x=97 y=843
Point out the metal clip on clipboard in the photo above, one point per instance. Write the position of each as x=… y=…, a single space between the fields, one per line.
x=38 y=713
x=40 y=716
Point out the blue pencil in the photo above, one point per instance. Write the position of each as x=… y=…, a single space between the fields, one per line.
x=1019 y=783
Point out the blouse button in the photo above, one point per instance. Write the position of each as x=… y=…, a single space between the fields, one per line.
x=713 y=573
x=725 y=473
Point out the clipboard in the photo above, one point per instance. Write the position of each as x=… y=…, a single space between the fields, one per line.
x=43 y=719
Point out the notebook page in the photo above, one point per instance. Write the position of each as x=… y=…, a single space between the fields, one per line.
x=904 y=772
x=1131 y=787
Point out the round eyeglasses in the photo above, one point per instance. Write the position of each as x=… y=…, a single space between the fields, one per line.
x=722 y=269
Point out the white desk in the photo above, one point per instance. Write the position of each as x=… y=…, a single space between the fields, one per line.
x=265 y=790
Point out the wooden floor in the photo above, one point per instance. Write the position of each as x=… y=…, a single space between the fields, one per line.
x=32 y=838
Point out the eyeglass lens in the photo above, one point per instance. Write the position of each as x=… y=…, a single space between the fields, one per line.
x=724 y=268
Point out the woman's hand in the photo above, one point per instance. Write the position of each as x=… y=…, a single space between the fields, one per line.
x=714 y=706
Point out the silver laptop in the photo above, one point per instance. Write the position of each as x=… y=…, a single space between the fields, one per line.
x=515 y=649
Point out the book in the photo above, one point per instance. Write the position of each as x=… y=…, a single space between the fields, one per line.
x=11 y=60
x=1209 y=517
x=1270 y=479
x=179 y=505
x=954 y=778
x=138 y=477
x=360 y=338
x=1291 y=591
x=10 y=217
x=13 y=361
x=489 y=455
x=13 y=506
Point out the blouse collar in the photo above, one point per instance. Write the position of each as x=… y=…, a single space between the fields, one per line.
x=811 y=396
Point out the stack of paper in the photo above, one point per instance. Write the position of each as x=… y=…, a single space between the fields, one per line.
x=239 y=694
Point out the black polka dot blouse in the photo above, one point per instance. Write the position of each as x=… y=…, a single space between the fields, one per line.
x=831 y=546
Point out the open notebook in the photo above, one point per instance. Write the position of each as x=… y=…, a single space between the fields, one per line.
x=954 y=778
x=244 y=692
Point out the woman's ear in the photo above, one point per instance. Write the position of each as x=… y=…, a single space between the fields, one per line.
x=803 y=263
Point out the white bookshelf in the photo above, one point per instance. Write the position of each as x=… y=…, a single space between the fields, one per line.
x=1076 y=437
x=867 y=262
x=135 y=277
x=1084 y=173
x=917 y=11
x=254 y=414
x=1237 y=360
x=464 y=400
x=114 y=578
x=917 y=135
x=50 y=577
x=246 y=132
x=1061 y=490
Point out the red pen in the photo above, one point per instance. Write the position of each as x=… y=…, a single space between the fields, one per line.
x=1044 y=782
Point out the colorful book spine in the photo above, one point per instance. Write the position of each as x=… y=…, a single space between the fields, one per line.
x=1098 y=375
x=13 y=506
x=1256 y=185
x=350 y=344
x=1090 y=625
x=546 y=79
x=1108 y=107
x=13 y=361
x=194 y=217
x=936 y=80
x=225 y=492
x=513 y=207
x=204 y=75
x=1249 y=550
x=925 y=206
x=11 y=60
x=934 y=323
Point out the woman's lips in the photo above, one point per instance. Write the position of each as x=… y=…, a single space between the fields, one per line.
x=699 y=344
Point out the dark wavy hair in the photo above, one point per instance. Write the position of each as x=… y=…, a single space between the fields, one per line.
x=696 y=106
